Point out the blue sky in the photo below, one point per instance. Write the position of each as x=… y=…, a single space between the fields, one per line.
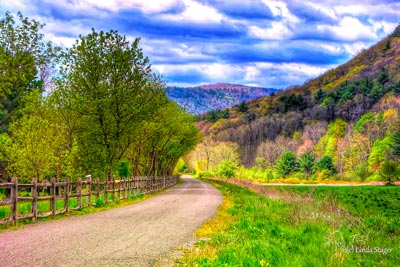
x=252 y=42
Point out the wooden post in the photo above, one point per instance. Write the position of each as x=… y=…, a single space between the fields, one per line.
x=125 y=188
x=66 y=195
x=53 y=197
x=34 y=201
x=14 y=200
x=79 y=189
x=89 y=191
x=97 y=189
x=119 y=189
x=113 y=190
x=105 y=191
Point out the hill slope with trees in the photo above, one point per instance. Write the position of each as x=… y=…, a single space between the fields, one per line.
x=217 y=96
x=344 y=124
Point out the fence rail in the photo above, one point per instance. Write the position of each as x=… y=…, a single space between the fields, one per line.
x=85 y=193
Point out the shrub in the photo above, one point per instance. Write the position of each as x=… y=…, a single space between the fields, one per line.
x=206 y=174
x=286 y=164
x=325 y=165
x=99 y=203
x=226 y=169
x=389 y=171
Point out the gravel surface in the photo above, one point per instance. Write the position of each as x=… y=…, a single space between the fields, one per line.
x=135 y=235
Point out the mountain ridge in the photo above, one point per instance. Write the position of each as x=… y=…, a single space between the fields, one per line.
x=207 y=97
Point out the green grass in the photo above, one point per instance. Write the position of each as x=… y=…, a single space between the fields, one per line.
x=292 y=231
x=358 y=200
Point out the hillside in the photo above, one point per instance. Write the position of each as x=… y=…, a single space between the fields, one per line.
x=348 y=117
x=209 y=97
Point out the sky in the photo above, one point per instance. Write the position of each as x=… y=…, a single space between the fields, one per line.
x=264 y=43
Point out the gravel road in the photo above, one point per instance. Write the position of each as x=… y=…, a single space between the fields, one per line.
x=134 y=235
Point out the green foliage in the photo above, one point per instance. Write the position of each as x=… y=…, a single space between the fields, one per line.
x=383 y=76
x=286 y=164
x=390 y=171
x=25 y=62
x=361 y=171
x=306 y=162
x=292 y=102
x=226 y=169
x=215 y=115
x=242 y=107
x=337 y=128
x=379 y=152
x=325 y=164
x=319 y=96
x=100 y=203
x=123 y=169
x=181 y=167
x=119 y=108
x=366 y=118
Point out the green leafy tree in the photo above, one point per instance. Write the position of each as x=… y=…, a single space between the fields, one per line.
x=286 y=164
x=306 y=162
x=107 y=85
x=379 y=152
x=325 y=164
x=26 y=63
x=38 y=146
x=390 y=171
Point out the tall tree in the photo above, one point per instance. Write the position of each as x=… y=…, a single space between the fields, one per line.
x=26 y=63
x=108 y=86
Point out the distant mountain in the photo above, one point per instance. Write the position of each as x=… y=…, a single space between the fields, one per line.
x=209 y=97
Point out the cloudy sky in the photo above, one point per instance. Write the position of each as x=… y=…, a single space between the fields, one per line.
x=254 y=42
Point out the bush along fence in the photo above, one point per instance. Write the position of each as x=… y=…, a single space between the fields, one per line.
x=38 y=200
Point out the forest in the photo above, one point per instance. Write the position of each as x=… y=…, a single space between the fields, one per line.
x=95 y=108
x=214 y=97
x=342 y=125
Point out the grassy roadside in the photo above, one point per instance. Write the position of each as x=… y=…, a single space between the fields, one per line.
x=288 y=229
x=101 y=206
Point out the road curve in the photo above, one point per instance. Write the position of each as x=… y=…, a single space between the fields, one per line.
x=134 y=235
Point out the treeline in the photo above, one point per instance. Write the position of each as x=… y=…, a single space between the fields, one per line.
x=95 y=108
x=198 y=100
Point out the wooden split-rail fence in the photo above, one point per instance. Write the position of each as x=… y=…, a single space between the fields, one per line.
x=85 y=192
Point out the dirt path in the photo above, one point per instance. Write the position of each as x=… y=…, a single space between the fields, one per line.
x=134 y=235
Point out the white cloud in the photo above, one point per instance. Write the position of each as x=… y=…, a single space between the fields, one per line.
x=12 y=5
x=196 y=12
x=277 y=31
x=348 y=29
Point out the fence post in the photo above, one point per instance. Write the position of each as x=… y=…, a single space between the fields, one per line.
x=34 y=201
x=125 y=188
x=66 y=195
x=113 y=190
x=97 y=189
x=14 y=200
x=53 y=197
x=79 y=189
x=89 y=190
x=119 y=189
x=105 y=191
